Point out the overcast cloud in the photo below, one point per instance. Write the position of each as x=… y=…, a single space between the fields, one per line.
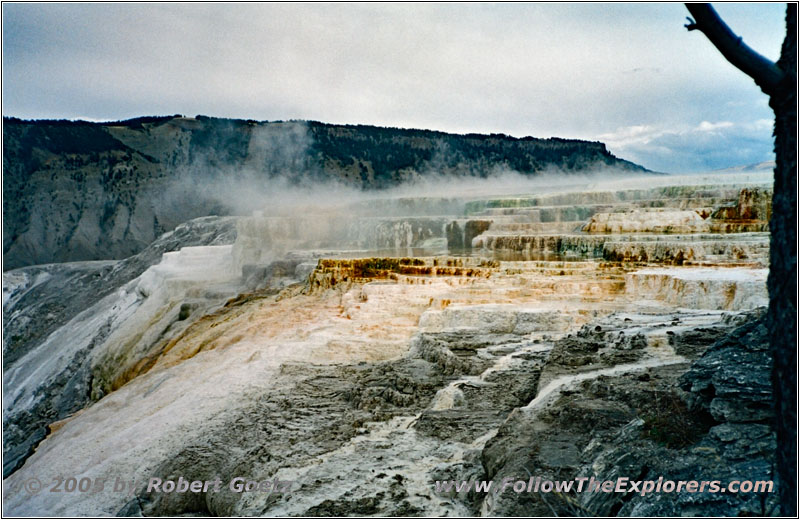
x=626 y=74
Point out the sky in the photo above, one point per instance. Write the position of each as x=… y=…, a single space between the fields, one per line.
x=629 y=75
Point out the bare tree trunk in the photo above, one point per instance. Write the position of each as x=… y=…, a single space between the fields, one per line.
x=779 y=81
x=782 y=315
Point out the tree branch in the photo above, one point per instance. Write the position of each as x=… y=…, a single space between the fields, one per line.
x=764 y=72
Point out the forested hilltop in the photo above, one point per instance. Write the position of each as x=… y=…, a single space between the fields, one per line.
x=74 y=190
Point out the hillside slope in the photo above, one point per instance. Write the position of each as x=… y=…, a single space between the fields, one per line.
x=90 y=191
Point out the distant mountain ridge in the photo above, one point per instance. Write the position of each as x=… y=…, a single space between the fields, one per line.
x=748 y=168
x=75 y=190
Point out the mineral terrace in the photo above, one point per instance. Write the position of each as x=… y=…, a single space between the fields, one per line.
x=596 y=330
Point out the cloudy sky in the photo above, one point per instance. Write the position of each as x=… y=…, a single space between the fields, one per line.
x=629 y=75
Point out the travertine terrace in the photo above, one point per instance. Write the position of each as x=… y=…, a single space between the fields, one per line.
x=364 y=355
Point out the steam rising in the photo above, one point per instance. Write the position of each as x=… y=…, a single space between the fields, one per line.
x=280 y=178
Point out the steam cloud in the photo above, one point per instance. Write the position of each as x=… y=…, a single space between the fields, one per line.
x=277 y=180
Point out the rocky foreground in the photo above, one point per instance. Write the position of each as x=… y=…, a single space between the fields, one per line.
x=591 y=332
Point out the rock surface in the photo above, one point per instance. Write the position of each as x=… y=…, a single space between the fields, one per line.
x=363 y=378
x=55 y=316
x=647 y=221
x=637 y=426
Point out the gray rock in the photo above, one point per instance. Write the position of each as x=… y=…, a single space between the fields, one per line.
x=731 y=381
x=37 y=311
x=604 y=428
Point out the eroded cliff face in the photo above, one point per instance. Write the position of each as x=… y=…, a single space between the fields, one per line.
x=364 y=359
x=87 y=191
